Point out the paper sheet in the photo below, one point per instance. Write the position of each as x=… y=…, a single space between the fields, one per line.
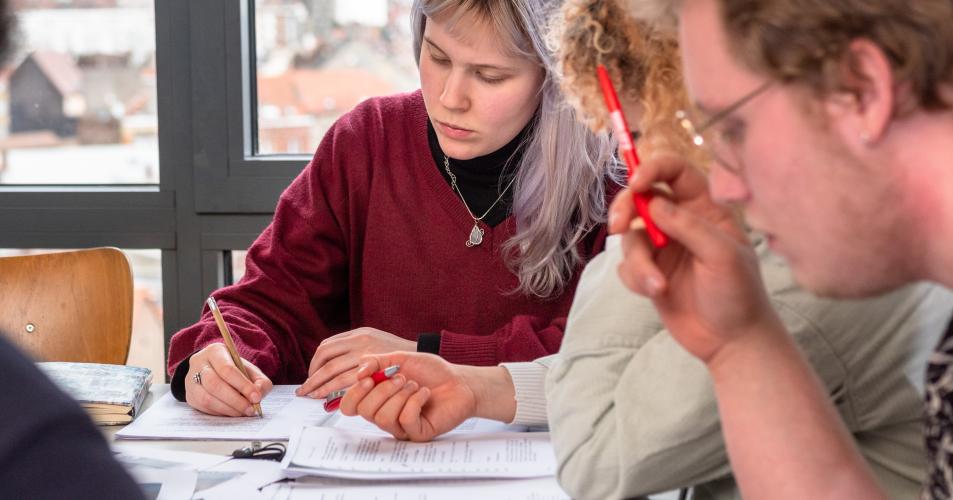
x=329 y=452
x=164 y=484
x=131 y=454
x=211 y=470
x=469 y=426
x=249 y=477
x=463 y=489
x=171 y=419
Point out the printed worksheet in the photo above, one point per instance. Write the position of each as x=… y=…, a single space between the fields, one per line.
x=171 y=419
x=469 y=426
x=330 y=452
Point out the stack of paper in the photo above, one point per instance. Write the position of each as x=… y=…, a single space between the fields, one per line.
x=111 y=394
x=340 y=453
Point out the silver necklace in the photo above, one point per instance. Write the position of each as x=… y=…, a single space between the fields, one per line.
x=476 y=234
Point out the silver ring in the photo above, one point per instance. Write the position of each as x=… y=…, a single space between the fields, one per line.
x=197 y=377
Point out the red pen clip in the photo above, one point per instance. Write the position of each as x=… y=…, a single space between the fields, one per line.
x=659 y=239
x=333 y=400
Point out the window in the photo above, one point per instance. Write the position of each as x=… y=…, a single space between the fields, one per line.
x=78 y=95
x=190 y=85
x=316 y=59
x=238 y=264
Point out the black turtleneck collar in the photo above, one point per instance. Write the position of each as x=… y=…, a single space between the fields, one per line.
x=482 y=178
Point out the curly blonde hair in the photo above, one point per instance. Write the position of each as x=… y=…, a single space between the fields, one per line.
x=643 y=62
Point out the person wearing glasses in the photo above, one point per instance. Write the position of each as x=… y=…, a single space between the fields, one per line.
x=631 y=413
x=830 y=122
x=454 y=220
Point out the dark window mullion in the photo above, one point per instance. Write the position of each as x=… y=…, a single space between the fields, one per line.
x=251 y=80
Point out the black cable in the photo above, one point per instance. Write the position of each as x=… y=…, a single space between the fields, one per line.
x=272 y=451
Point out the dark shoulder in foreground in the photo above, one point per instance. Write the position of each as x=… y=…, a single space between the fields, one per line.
x=49 y=448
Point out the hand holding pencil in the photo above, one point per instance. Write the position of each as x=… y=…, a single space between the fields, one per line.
x=219 y=382
x=230 y=345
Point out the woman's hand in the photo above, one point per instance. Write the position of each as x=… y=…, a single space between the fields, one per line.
x=334 y=365
x=429 y=396
x=222 y=389
x=706 y=284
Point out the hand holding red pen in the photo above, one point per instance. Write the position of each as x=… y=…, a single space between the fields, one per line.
x=333 y=401
x=706 y=285
x=429 y=397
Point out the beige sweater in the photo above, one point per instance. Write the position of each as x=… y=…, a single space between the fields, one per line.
x=529 y=382
x=631 y=413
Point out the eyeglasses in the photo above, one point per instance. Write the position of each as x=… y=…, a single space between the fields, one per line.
x=722 y=143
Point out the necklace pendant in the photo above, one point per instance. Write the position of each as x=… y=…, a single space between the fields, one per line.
x=476 y=235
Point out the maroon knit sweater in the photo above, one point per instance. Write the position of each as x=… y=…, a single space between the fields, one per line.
x=370 y=234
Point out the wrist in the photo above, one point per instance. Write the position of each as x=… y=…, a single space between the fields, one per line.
x=492 y=387
x=761 y=341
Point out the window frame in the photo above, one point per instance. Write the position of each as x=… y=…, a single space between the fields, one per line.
x=230 y=177
x=212 y=196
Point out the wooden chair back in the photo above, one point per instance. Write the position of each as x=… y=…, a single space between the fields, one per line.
x=68 y=306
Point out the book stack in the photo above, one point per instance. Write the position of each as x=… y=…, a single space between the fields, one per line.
x=111 y=394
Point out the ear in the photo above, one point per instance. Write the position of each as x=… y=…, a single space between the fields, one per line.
x=866 y=100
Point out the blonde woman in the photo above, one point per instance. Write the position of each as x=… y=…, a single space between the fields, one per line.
x=455 y=220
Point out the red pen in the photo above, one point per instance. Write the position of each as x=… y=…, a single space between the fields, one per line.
x=333 y=400
x=659 y=239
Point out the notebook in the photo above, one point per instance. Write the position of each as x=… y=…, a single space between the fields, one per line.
x=111 y=394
